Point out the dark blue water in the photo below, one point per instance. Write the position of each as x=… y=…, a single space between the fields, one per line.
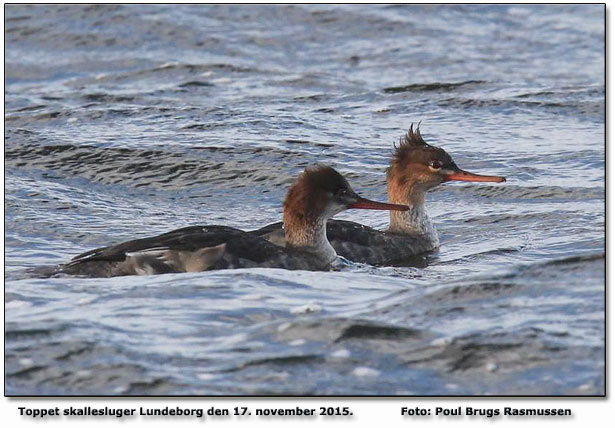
x=128 y=121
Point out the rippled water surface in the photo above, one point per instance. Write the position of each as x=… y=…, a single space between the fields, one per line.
x=128 y=121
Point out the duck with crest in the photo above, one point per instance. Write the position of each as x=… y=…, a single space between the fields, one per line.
x=416 y=167
x=318 y=194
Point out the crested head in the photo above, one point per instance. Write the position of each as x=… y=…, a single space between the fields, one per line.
x=415 y=168
x=416 y=164
x=322 y=178
x=413 y=149
x=318 y=194
x=313 y=194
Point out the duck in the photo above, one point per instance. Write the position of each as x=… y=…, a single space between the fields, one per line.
x=319 y=193
x=415 y=168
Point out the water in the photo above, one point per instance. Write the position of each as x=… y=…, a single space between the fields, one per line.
x=128 y=121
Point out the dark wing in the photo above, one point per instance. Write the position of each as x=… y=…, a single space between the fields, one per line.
x=273 y=227
x=362 y=244
x=191 y=249
x=184 y=239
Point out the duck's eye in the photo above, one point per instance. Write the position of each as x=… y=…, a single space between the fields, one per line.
x=436 y=165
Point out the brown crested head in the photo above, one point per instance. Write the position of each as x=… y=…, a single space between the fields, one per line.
x=312 y=192
x=321 y=192
x=414 y=161
x=420 y=165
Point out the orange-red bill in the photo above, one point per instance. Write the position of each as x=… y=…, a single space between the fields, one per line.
x=366 y=204
x=461 y=175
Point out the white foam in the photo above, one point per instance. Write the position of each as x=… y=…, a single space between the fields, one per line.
x=306 y=309
x=340 y=354
x=365 y=372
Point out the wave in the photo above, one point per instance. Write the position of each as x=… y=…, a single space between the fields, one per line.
x=429 y=87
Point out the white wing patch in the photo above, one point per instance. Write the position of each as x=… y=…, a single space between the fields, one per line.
x=165 y=260
x=153 y=252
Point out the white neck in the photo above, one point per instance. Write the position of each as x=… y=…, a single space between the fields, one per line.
x=415 y=221
x=309 y=236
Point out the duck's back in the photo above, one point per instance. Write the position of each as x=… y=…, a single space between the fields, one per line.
x=191 y=249
x=363 y=244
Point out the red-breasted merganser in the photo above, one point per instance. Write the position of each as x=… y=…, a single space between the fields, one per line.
x=415 y=168
x=318 y=194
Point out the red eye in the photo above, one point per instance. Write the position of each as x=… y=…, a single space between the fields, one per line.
x=435 y=164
